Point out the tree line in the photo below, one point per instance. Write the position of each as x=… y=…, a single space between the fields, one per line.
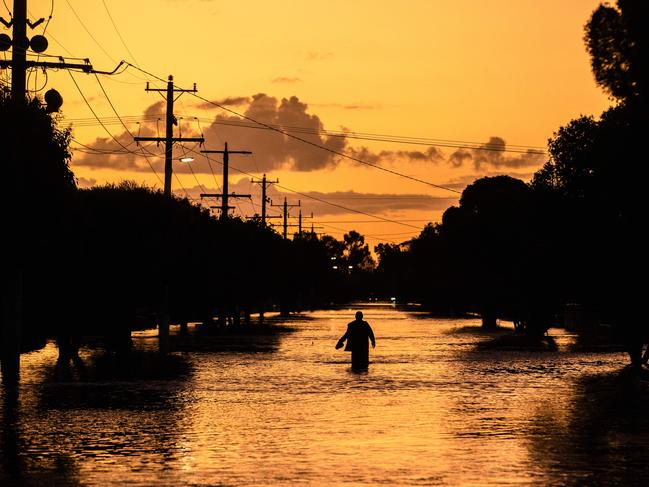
x=99 y=260
x=573 y=234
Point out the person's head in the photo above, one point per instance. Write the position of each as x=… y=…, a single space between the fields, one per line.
x=359 y=315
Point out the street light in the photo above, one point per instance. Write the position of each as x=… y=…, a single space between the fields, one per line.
x=186 y=159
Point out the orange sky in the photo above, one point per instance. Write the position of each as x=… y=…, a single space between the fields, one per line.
x=463 y=70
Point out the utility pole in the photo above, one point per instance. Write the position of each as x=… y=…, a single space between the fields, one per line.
x=300 y=219
x=19 y=51
x=20 y=44
x=285 y=207
x=225 y=195
x=169 y=140
x=313 y=227
x=12 y=285
x=264 y=198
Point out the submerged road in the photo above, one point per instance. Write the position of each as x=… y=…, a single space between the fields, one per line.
x=433 y=409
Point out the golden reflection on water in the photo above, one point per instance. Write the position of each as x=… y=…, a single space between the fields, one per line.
x=431 y=410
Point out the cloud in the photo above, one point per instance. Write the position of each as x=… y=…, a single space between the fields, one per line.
x=86 y=182
x=462 y=182
x=271 y=150
x=375 y=203
x=431 y=155
x=350 y=106
x=459 y=157
x=493 y=154
x=333 y=203
x=284 y=79
x=230 y=101
x=157 y=109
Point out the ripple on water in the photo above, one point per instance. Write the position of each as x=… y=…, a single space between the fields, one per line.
x=432 y=409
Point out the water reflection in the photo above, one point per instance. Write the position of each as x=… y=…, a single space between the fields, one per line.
x=600 y=436
x=434 y=408
x=18 y=466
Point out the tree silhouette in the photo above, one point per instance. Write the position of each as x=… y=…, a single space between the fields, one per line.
x=618 y=43
x=35 y=202
x=357 y=252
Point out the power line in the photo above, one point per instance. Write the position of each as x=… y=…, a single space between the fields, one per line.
x=479 y=146
x=372 y=237
x=49 y=18
x=371 y=221
x=118 y=33
x=93 y=37
x=90 y=33
x=346 y=208
x=306 y=195
x=313 y=144
x=104 y=127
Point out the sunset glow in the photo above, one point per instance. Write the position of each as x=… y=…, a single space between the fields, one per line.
x=467 y=71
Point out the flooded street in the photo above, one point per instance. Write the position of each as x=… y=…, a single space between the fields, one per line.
x=432 y=410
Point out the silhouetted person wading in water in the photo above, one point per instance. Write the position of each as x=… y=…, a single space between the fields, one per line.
x=357 y=335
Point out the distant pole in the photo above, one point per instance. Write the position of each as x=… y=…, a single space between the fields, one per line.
x=285 y=208
x=301 y=217
x=225 y=195
x=285 y=218
x=263 y=200
x=226 y=175
x=169 y=136
x=264 y=196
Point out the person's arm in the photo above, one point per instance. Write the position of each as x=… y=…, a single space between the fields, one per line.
x=342 y=339
x=345 y=336
x=371 y=334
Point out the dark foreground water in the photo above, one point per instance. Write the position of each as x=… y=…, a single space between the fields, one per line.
x=432 y=410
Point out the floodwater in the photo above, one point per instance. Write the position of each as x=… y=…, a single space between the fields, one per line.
x=433 y=409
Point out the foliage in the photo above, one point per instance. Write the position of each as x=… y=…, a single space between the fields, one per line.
x=618 y=43
x=35 y=201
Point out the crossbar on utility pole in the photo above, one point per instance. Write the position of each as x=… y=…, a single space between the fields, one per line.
x=171 y=120
x=225 y=195
x=21 y=44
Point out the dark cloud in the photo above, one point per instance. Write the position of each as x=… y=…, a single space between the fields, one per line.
x=431 y=154
x=459 y=157
x=230 y=101
x=493 y=154
x=318 y=203
x=462 y=182
x=157 y=109
x=271 y=150
x=285 y=79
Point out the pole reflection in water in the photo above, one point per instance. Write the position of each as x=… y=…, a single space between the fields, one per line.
x=432 y=409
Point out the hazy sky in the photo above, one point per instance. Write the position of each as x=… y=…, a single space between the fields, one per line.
x=480 y=71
